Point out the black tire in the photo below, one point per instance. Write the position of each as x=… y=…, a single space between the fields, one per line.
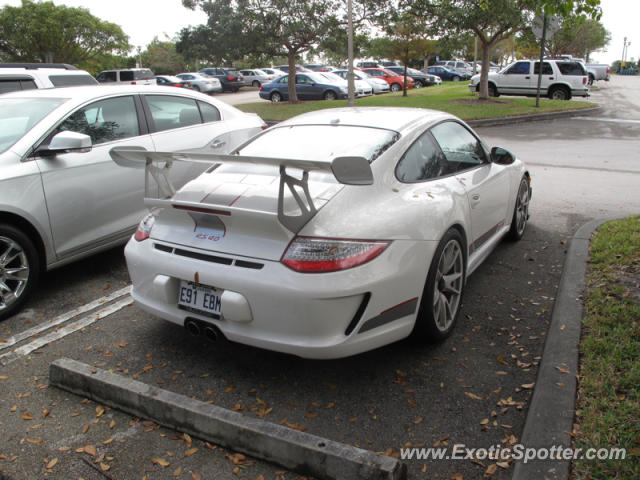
x=330 y=95
x=19 y=269
x=591 y=79
x=559 y=93
x=520 y=211
x=276 y=97
x=395 y=87
x=196 y=88
x=417 y=84
x=493 y=91
x=455 y=78
x=430 y=325
x=255 y=83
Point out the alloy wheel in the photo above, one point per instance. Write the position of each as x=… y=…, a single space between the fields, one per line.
x=447 y=288
x=14 y=272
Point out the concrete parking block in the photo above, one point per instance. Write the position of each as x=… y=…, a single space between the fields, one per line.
x=297 y=451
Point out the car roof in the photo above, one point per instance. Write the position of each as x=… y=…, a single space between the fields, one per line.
x=390 y=118
x=84 y=93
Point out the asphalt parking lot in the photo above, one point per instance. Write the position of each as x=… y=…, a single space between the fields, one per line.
x=472 y=389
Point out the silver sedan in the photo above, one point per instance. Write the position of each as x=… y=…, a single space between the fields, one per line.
x=61 y=195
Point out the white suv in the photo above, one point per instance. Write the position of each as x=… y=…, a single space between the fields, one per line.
x=27 y=76
x=128 y=76
x=561 y=79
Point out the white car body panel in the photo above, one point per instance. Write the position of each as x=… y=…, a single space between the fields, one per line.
x=321 y=315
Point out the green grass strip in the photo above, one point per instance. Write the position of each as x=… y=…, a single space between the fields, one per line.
x=451 y=97
x=608 y=406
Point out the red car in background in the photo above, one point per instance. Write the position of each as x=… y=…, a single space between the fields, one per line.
x=394 y=80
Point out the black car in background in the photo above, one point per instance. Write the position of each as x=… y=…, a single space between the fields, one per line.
x=419 y=79
x=231 y=80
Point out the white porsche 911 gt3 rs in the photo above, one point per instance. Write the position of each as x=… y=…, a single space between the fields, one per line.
x=333 y=233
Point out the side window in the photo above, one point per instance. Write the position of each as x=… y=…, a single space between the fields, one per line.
x=284 y=79
x=571 y=68
x=546 y=68
x=126 y=76
x=519 y=68
x=104 y=121
x=209 y=112
x=422 y=161
x=108 y=77
x=173 y=112
x=461 y=148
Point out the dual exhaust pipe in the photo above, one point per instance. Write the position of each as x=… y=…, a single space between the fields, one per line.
x=198 y=328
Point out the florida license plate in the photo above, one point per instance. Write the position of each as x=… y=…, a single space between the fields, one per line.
x=201 y=298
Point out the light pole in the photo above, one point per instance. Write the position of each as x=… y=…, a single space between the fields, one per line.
x=351 y=81
x=139 y=56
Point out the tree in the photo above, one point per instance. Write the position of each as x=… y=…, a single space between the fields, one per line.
x=162 y=57
x=493 y=21
x=579 y=36
x=407 y=33
x=334 y=46
x=44 y=32
x=273 y=27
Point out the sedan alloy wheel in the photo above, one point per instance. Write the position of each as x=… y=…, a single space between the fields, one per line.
x=18 y=269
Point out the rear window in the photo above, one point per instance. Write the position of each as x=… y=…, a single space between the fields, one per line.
x=72 y=80
x=321 y=142
x=572 y=68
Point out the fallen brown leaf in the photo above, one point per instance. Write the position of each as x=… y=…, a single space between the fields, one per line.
x=190 y=452
x=160 y=461
x=473 y=395
x=52 y=463
x=26 y=416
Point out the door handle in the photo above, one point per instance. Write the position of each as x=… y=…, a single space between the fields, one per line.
x=218 y=144
x=550 y=78
x=475 y=197
x=527 y=77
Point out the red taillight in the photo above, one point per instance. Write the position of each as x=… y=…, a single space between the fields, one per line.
x=323 y=255
x=231 y=79
x=144 y=227
x=261 y=88
x=133 y=83
x=179 y=85
x=584 y=80
x=608 y=71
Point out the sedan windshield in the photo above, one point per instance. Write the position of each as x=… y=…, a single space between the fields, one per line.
x=19 y=115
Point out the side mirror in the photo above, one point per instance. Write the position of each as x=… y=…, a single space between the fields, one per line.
x=65 y=142
x=502 y=156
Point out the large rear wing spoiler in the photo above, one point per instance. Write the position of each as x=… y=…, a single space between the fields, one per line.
x=346 y=170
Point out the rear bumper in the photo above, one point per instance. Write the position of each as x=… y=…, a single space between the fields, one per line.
x=309 y=315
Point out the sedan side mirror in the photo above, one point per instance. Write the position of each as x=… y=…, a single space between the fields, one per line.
x=65 y=142
x=502 y=156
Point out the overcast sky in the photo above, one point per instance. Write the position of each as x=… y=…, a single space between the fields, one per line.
x=144 y=19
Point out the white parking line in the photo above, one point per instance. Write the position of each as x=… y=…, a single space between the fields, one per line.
x=18 y=337
x=64 y=331
x=611 y=120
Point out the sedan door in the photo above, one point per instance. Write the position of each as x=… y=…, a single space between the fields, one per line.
x=92 y=201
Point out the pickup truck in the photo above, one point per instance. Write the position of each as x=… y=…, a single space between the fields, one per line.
x=597 y=71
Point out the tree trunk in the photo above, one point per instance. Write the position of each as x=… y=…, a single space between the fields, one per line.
x=404 y=88
x=293 y=96
x=484 y=71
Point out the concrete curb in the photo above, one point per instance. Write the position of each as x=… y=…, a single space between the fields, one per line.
x=301 y=452
x=490 y=122
x=552 y=407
